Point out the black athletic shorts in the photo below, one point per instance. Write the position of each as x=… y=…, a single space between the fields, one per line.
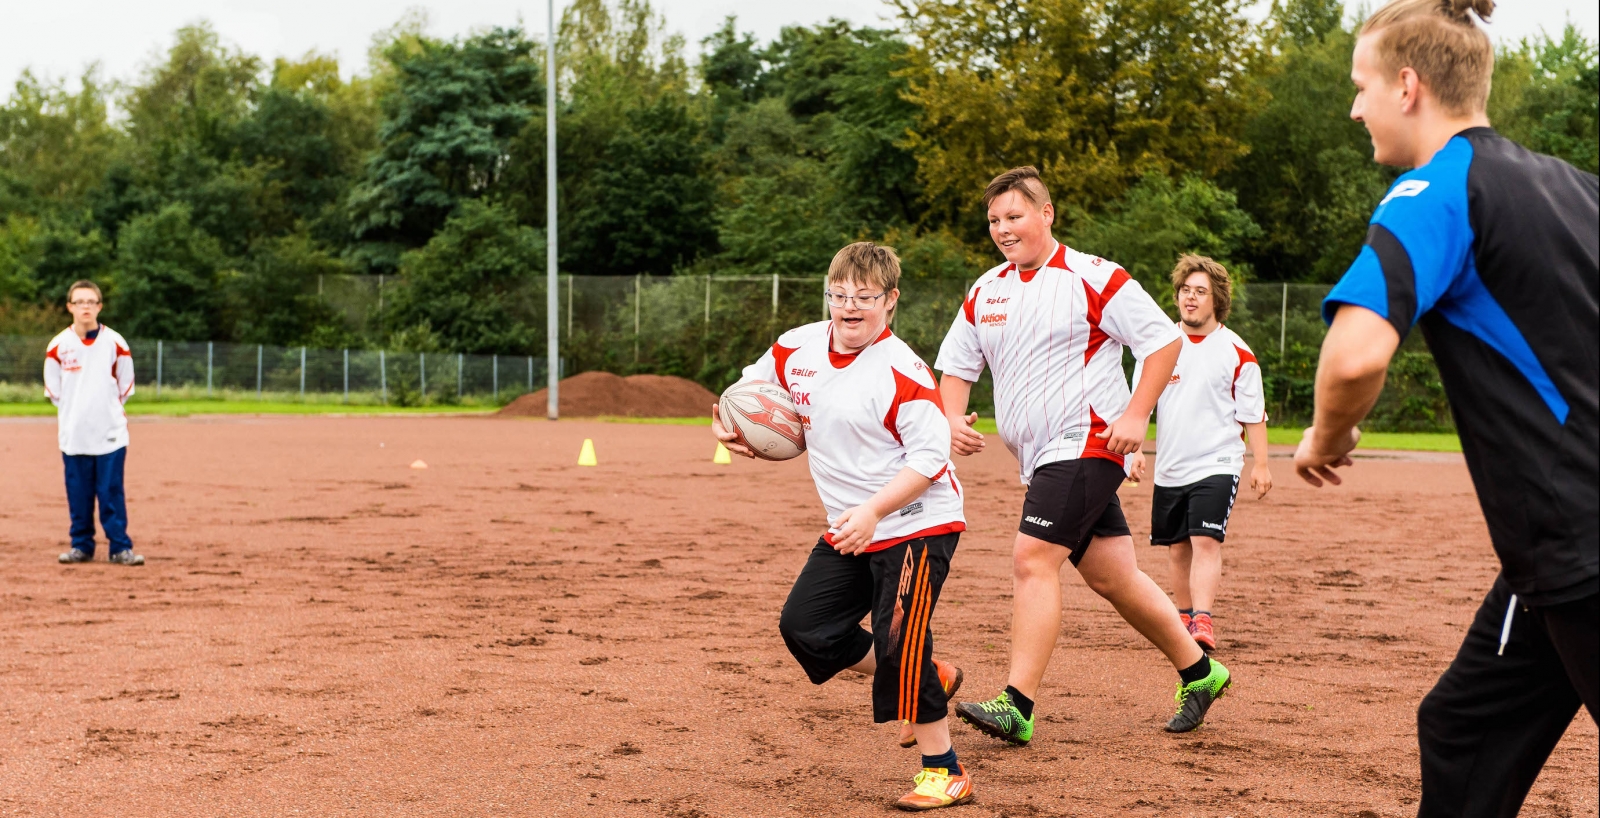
x=1200 y=509
x=1070 y=502
x=898 y=586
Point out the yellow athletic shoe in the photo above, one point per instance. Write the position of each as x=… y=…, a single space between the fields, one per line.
x=936 y=788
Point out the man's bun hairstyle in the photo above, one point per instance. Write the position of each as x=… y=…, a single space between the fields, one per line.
x=1441 y=42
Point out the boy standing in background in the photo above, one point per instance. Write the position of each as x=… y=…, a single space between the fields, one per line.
x=88 y=375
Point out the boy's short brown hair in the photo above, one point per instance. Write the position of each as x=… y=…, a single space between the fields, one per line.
x=85 y=284
x=1024 y=180
x=1221 y=283
x=866 y=263
x=1438 y=40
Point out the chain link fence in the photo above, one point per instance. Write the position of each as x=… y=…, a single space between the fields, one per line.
x=705 y=328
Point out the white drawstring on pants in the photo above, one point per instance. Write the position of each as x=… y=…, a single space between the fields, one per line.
x=1505 y=630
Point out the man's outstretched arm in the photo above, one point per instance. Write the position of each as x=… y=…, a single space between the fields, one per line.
x=1350 y=373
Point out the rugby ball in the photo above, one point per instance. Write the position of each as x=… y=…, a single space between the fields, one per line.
x=764 y=418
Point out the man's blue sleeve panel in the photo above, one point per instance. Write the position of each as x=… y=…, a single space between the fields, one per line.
x=1419 y=241
x=1470 y=306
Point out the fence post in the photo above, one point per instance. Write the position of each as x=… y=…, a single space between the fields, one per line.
x=570 y=284
x=383 y=376
x=458 y=374
x=825 y=313
x=1283 y=321
x=158 y=369
x=258 y=372
x=208 y=369
x=422 y=374
x=530 y=373
x=495 y=363
x=346 y=374
x=302 y=374
x=638 y=291
x=774 y=295
x=708 y=301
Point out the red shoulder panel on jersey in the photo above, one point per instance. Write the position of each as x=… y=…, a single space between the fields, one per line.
x=905 y=391
x=970 y=308
x=780 y=363
x=1097 y=306
x=1245 y=357
x=54 y=354
x=122 y=350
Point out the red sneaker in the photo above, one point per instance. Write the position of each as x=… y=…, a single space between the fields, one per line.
x=1204 y=633
x=1188 y=623
x=950 y=678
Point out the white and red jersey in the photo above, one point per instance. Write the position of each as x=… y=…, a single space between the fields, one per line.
x=88 y=379
x=1053 y=338
x=1215 y=388
x=867 y=416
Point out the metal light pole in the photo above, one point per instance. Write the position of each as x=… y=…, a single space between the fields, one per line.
x=552 y=304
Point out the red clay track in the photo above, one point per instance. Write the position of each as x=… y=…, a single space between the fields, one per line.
x=321 y=630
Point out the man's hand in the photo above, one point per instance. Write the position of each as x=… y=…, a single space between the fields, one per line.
x=964 y=439
x=1126 y=434
x=1261 y=479
x=856 y=527
x=1315 y=466
x=721 y=432
x=1136 y=466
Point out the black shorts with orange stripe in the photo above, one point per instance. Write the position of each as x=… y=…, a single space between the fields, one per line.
x=899 y=586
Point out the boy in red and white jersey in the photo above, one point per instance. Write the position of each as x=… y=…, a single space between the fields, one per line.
x=88 y=375
x=1215 y=389
x=1050 y=324
x=879 y=450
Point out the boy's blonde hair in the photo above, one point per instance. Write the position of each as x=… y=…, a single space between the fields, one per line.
x=85 y=284
x=1438 y=40
x=867 y=264
x=1221 y=284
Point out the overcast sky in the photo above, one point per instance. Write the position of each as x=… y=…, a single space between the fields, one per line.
x=59 y=38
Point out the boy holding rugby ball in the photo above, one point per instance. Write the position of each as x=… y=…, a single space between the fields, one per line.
x=880 y=456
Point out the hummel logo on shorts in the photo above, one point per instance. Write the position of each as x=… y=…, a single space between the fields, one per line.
x=1040 y=523
x=1210 y=525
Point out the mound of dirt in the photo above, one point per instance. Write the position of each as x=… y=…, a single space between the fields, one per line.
x=592 y=394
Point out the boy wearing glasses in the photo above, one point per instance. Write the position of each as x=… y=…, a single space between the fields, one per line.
x=1215 y=389
x=88 y=375
x=879 y=451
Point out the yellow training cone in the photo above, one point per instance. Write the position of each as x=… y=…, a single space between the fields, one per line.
x=586 y=457
x=418 y=464
x=722 y=458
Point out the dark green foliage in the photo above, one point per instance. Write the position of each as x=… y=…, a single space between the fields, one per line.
x=166 y=281
x=469 y=286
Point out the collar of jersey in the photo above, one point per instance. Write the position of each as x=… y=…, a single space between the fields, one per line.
x=840 y=360
x=1200 y=339
x=1058 y=259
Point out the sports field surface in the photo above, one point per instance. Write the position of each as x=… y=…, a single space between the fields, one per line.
x=323 y=630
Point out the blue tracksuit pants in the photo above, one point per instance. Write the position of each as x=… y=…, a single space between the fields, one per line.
x=92 y=477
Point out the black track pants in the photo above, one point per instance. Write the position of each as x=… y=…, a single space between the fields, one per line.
x=1490 y=723
x=899 y=586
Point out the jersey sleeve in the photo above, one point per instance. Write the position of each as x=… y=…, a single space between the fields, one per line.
x=1417 y=244
x=122 y=370
x=960 y=355
x=916 y=419
x=773 y=364
x=1249 y=398
x=1134 y=319
x=52 y=374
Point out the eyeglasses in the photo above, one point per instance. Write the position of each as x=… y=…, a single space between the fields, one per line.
x=81 y=303
x=860 y=302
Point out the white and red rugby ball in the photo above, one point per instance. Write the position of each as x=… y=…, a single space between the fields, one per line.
x=764 y=418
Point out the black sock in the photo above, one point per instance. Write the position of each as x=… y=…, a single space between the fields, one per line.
x=1197 y=613
x=1022 y=703
x=947 y=761
x=1197 y=671
x=1188 y=611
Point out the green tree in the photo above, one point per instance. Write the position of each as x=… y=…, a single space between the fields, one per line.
x=166 y=281
x=1159 y=220
x=1547 y=97
x=468 y=284
x=448 y=121
x=1094 y=92
x=275 y=300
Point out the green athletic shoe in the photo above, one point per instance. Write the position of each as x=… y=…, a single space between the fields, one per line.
x=1195 y=699
x=999 y=718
